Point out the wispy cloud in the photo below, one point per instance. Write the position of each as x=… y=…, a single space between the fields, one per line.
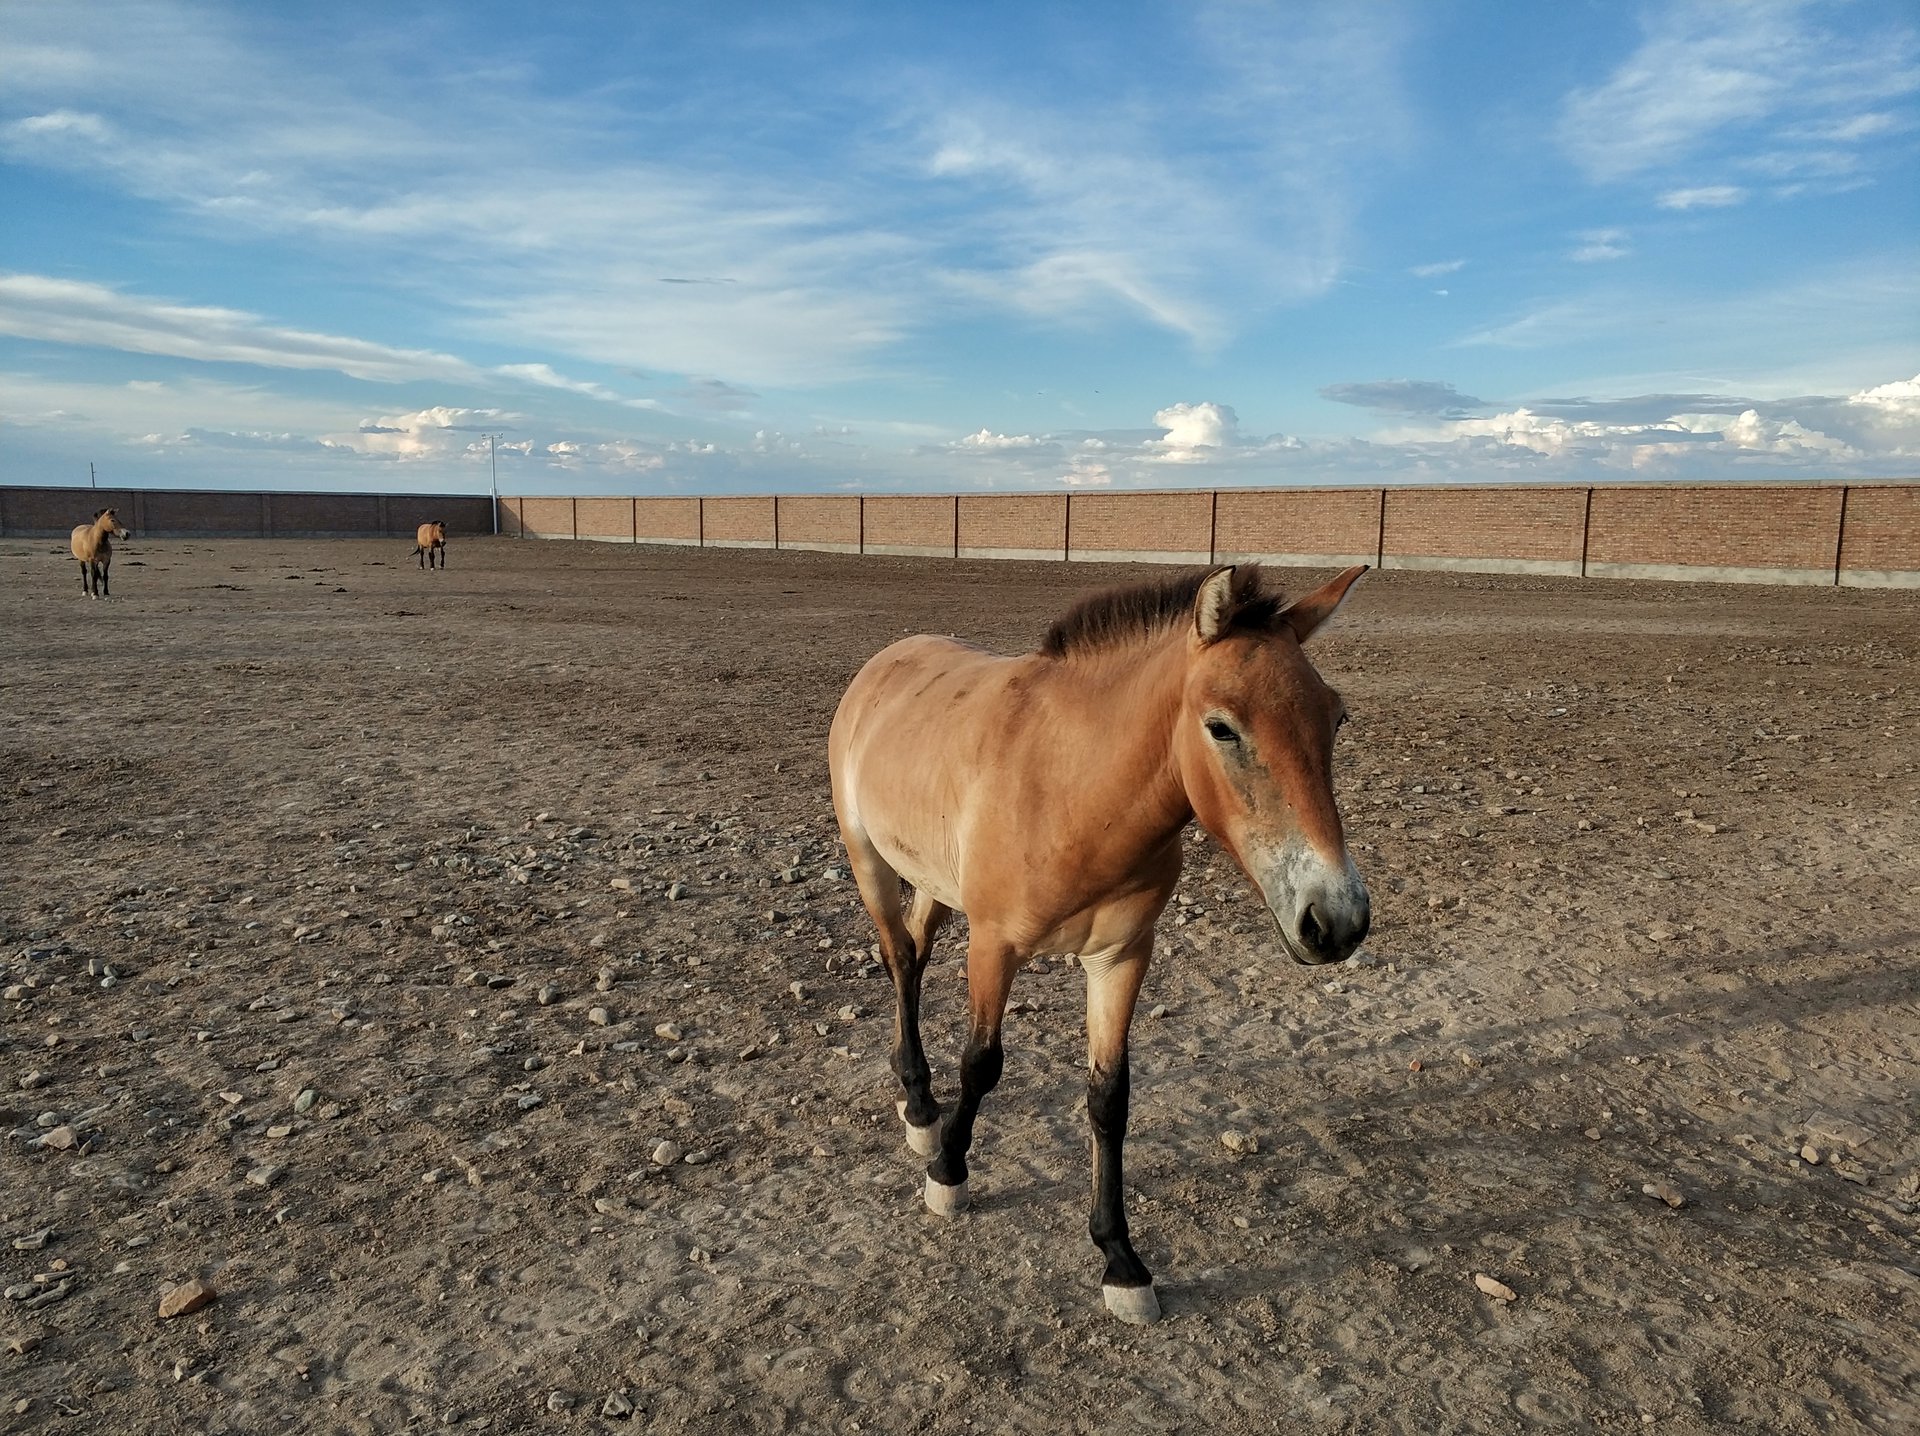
x=1598 y=245
x=1755 y=80
x=1404 y=396
x=1706 y=196
x=1434 y=271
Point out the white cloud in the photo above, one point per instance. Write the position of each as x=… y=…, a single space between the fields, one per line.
x=66 y=311
x=988 y=440
x=1754 y=74
x=1899 y=400
x=1710 y=196
x=1195 y=432
x=1597 y=245
x=1434 y=271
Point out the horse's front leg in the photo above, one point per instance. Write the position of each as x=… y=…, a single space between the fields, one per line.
x=86 y=579
x=100 y=578
x=1113 y=985
x=991 y=965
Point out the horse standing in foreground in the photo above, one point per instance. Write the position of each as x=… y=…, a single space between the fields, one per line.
x=92 y=544
x=428 y=540
x=1045 y=796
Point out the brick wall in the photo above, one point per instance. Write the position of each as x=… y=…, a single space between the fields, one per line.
x=1749 y=533
x=610 y=520
x=52 y=511
x=820 y=522
x=1499 y=530
x=1881 y=535
x=909 y=524
x=545 y=518
x=1776 y=533
x=1013 y=525
x=55 y=513
x=1144 y=528
x=1298 y=526
x=675 y=521
x=738 y=523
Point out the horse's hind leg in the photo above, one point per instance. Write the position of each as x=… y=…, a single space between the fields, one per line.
x=100 y=577
x=922 y=1115
x=86 y=579
x=991 y=965
x=905 y=962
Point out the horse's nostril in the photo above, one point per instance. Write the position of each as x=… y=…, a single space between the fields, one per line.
x=1311 y=931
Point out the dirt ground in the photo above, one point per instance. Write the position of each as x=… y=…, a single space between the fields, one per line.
x=435 y=903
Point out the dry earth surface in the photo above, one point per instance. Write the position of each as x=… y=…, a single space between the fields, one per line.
x=367 y=933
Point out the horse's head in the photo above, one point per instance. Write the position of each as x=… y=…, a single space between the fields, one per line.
x=1254 y=743
x=107 y=522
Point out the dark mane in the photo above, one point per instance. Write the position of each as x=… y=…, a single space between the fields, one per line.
x=1141 y=610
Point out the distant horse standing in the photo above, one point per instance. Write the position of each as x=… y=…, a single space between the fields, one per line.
x=92 y=544
x=429 y=539
x=1045 y=796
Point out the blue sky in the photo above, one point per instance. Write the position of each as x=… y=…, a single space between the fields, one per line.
x=819 y=247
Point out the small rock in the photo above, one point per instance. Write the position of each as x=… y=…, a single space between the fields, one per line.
x=33 y=1241
x=605 y=981
x=1663 y=1192
x=1494 y=1288
x=34 y=1079
x=1809 y=1154
x=617 y=1406
x=599 y=1016
x=666 y=1153
x=668 y=1030
x=547 y=995
x=266 y=1174
x=186 y=1298
x=23 y=1346
x=1242 y=1142
x=620 y=884
x=558 y=1401
x=1159 y=1009
x=676 y=892
x=303 y=1104
x=61 y=1139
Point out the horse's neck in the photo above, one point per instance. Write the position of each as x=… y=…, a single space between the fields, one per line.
x=1132 y=699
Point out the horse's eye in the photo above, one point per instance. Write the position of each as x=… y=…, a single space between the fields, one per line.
x=1221 y=732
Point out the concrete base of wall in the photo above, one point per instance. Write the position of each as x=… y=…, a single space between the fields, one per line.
x=907 y=550
x=1877 y=578
x=822 y=547
x=1302 y=560
x=652 y=541
x=739 y=543
x=1130 y=555
x=606 y=538
x=1703 y=573
x=1035 y=555
x=1554 y=567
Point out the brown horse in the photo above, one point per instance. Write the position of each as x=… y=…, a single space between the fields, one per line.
x=1045 y=796
x=92 y=544
x=429 y=539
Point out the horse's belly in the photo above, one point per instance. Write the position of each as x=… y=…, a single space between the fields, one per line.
x=925 y=870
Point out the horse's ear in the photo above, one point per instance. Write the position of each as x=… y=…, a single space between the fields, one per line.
x=1305 y=615
x=1213 y=606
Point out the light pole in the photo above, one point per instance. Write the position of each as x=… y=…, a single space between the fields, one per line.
x=493 y=460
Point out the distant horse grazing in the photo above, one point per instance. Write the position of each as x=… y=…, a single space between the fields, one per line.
x=428 y=540
x=1045 y=795
x=92 y=544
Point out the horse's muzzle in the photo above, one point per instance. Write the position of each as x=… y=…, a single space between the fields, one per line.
x=1323 y=914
